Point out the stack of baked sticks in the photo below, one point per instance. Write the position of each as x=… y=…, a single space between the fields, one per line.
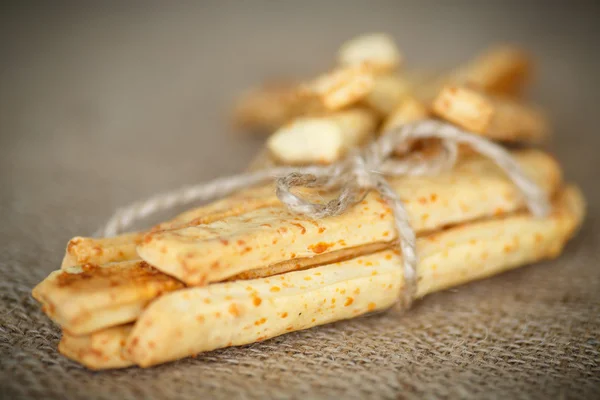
x=245 y=269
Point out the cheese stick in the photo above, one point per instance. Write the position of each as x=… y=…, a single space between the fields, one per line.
x=86 y=298
x=99 y=350
x=81 y=250
x=499 y=118
x=193 y=320
x=212 y=252
x=500 y=70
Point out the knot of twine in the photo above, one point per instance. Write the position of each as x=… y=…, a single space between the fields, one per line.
x=361 y=171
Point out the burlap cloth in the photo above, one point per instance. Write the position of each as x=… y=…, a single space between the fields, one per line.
x=102 y=106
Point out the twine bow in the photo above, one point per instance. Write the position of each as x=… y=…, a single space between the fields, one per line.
x=361 y=171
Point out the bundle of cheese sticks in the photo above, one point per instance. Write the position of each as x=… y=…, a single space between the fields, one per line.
x=245 y=268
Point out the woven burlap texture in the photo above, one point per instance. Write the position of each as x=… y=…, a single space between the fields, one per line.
x=100 y=108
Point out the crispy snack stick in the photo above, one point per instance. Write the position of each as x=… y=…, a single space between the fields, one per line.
x=241 y=312
x=266 y=108
x=98 y=350
x=212 y=252
x=322 y=140
x=499 y=118
x=81 y=250
x=91 y=297
x=500 y=70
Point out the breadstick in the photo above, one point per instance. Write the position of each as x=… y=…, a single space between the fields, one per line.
x=237 y=313
x=87 y=298
x=81 y=250
x=342 y=87
x=499 y=118
x=209 y=253
x=98 y=350
x=500 y=70
x=266 y=108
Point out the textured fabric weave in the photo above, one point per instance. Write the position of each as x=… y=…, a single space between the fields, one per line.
x=100 y=107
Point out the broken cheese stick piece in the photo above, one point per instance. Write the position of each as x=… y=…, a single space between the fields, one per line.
x=213 y=252
x=91 y=297
x=495 y=117
x=195 y=320
x=321 y=140
x=81 y=250
x=98 y=350
x=376 y=49
x=342 y=87
x=464 y=107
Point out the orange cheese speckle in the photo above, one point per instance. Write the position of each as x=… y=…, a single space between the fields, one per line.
x=234 y=310
x=371 y=306
x=256 y=301
x=302 y=228
x=275 y=289
x=260 y=321
x=284 y=315
x=320 y=247
x=349 y=301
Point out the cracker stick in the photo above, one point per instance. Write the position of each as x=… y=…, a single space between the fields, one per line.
x=87 y=298
x=212 y=252
x=266 y=108
x=194 y=320
x=499 y=118
x=81 y=250
x=500 y=70
x=322 y=139
x=342 y=87
x=98 y=350
x=503 y=70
